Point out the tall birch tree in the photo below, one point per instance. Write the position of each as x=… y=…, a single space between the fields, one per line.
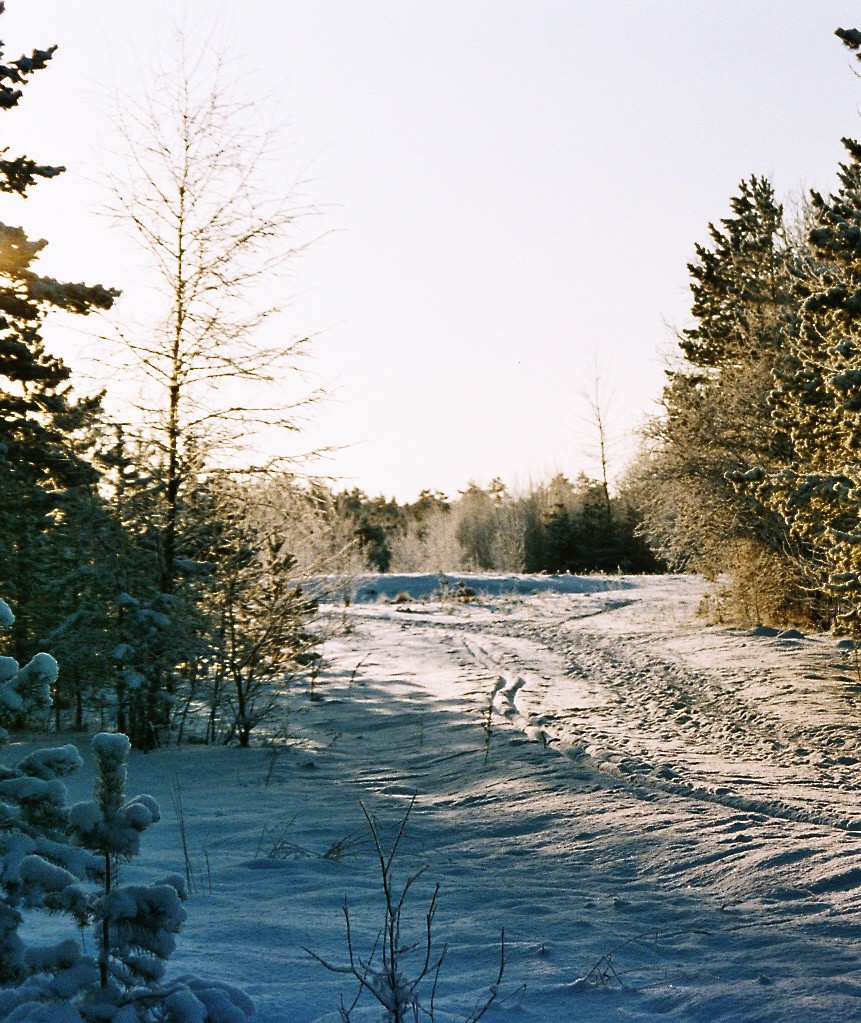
x=214 y=365
x=217 y=240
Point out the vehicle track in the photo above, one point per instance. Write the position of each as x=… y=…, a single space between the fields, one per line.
x=655 y=722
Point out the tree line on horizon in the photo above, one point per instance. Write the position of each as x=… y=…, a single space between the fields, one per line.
x=561 y=526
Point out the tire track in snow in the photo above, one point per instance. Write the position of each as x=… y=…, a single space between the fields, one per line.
x=652 y=724
x=774 y=891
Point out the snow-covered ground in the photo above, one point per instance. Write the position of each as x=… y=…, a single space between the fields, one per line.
x=663 y=816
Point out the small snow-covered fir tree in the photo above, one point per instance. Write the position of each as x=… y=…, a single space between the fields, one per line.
x=66 y=860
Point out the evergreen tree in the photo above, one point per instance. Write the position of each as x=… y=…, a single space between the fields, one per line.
x=163 y=637
x=66 y=861
x=262 y=638
x=373 y=523
x=44 y=429
x=577 y=531
x=718 y=423
x=817 y=400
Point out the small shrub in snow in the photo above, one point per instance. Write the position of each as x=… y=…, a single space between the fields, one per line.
x=454 y=590
x=400 y=975
x=66 y=860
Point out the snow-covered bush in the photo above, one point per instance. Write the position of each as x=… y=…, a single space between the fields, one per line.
x=66 y=860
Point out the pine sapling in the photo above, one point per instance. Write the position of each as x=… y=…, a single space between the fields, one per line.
x=66 y=861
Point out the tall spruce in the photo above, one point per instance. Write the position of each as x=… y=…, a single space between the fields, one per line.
x=718 y=424
x=817 y=400
x=45 y=430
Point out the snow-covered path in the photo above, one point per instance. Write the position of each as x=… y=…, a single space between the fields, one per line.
x=641 y=777
x=662 y=816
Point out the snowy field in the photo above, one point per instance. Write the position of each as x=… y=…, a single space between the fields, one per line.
x=663 y=817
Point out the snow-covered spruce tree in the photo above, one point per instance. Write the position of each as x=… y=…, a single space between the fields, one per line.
x=136 y=924
x=717 y=419
x=39 y=865
x=66 y=861
x=817 y=401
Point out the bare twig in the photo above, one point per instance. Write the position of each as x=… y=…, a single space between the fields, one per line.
x=383 y=973
x=603 y=972
x=179 y=810
x=356 y=669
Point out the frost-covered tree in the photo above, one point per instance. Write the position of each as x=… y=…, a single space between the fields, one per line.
x=213 y=368
x=263 y=638
x=817 y=401
x=717 y=421
x=193 y=193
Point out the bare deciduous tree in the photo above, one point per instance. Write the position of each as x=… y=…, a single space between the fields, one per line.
x=218 y=240
x=597 y=400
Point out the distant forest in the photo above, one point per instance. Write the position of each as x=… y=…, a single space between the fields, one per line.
x=560 y=526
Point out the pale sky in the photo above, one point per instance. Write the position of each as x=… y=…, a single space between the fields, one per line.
x=509 y=189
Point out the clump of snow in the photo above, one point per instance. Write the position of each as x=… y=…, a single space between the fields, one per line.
x=45 y=667
x=7 y=619
x=112 y=746
x=145 y=917
x=221 y=1003
x=53 y=762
